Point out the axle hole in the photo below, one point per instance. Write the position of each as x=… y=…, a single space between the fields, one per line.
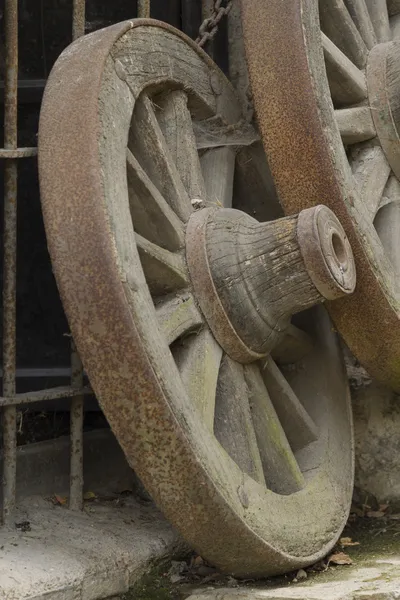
x=339 y=251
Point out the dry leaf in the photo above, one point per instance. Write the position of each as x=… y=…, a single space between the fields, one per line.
x=340 y=558
x=61 y=500
x=89 y=496
x=197 y=561
x=347 y=541
x=383 y=507
x=375 y=514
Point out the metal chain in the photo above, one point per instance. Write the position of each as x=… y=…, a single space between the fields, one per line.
x=209 y=26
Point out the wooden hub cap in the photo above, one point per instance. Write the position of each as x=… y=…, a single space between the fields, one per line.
x=251 y=277
x=383 y=79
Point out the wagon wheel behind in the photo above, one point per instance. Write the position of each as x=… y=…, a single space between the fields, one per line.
x=325 y=80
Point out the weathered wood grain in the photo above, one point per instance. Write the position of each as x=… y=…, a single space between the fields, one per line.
x=346 y=82
x=387 y=223
x=299 y=428
x=218 y=166
x=164 y=271
x=198 y=358
x=355 y=124
x=152 y=216
x=281 y=471
x=233 y=425
x=148 y=144
x=371 y=171
x=259 y=275
x=176 y=124
x=340 y=28
x=380 y=19
x=177 y=315
x=359 y=13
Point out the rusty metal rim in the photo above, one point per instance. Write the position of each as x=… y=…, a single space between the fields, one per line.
x=95 y=300
x=291 y=121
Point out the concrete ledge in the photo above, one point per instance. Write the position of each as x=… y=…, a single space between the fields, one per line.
x=98 y=553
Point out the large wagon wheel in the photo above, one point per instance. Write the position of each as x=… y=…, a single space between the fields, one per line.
x=251 y=461
x=325 y=80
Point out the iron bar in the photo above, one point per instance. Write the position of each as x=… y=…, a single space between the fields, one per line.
x=30 y=91
x=11 y=153
x=77 y=402
x=78 y=19
x=76 y=416
x=41 y=372
x=41 y=395
x=10 y=257
x=143 y=9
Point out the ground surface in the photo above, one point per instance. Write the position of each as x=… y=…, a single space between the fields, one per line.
x=374 y=572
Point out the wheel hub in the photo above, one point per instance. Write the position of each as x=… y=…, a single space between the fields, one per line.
x=251 y=277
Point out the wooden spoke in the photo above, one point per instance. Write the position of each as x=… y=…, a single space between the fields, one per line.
x=233 y=425
x=391 y=193
x=281 y=471
x=148 y=144
x=359 y=13
x=338 y=25
x=254 y=183
x=380 y=19
x=387 y=222
x=178 y=315
x=164 y=271
x=355 y=124
x=294 y=347
x=176 y=124
x=346 y=81
x=371 y=171
x=393 y=7
x=198 y=358
x=300 y=429
x=218 y=165
x=152 y=217
x=395 y=27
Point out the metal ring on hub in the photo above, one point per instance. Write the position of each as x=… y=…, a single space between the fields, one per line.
x=326 y=252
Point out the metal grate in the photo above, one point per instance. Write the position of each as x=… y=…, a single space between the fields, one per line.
x=10 y=399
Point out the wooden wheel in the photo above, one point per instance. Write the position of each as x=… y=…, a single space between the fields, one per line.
x=325 y=80
x=249 y=458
